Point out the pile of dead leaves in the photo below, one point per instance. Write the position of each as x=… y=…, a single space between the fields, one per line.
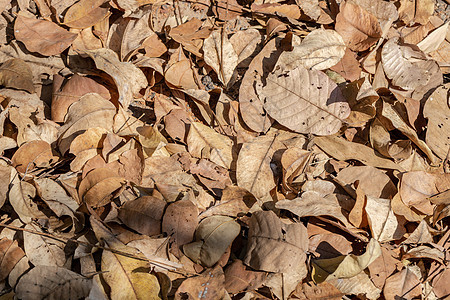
x=224 y=149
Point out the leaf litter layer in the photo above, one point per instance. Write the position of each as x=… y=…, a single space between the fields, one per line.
x=224 y=149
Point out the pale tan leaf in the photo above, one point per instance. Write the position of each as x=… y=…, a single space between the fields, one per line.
x=42 y=36
x=357 y=285
x=33 y=154
x=128 y=78
x=415 y=189
x=245 y=43
x=305 y=101
x=384 y=11
x=437 y=111
x=383 y=223
x=53 y=283
x=345 y=150
x=433 y=41
x=205 y=142
x=132 y=5
x=41 y=250
x=212 y=238
x=7 y=173
x=345 y=266
x=21 y=195
x=56 y=197
x=253 y=171
x=319 y=50
x=359 y=28
x=408 y=68
x=415 y=11
x=209 y=286
x=274 y=246
x=219 y=54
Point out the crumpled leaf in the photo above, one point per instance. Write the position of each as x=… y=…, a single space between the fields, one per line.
x=33 y=154
x=15 y=73
x=415 y=11
x=305 y=101
x=128 y=78
x=219 y=54
x=345 y=266
x=404 y=284
x=53 y=283
x=319 y=50
x=41 y=36
x=21 y=195
x=384 y=225
x=43 y=251
x=213 y=236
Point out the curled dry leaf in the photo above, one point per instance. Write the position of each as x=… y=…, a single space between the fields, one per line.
x=143 y=214
x=384 y=225
x=21 y=195
x=212 y=238
x=34 y=154
x=245 y=43
x=85 y=13
x=71 y=92
x=404 y=284
x=359 y=28
x=360 y=284
x=100 y=186
x=128 y=78
x=220 y=55
x=43 y=37
x=49 y=282
x=54 y=195
x=305 y=101
x=10 y=254
x=319 y=50
x=16 y=74
x=345 y=266
x=437 y=111
x=92 y=110
x=274 y=246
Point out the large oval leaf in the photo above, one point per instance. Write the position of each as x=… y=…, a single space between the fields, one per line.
x=305 y=101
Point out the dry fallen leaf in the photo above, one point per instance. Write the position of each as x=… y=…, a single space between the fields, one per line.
x=213 y=236
x=85 y=13
x=15 y=73
x=10 y=254
x=319 y=109
x=42 y=36
x=416 y=11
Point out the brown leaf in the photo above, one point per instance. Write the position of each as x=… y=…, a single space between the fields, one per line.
x=274 y=246
x=132 y=5
x=34 y=154
x=191 y=34
x=319 y=109
x=416 y=188
x=53 y=283
x=209 y=286
x=238 y=278
x=250 y=105
x=404 y=284
x=348 y=66
x=54 y=195
x=179 y=222
x=43 y=251
x=10 y=254
x=85 y=13
x=179 y=71
x=245 y=43
x=42 y=36
x=71 y=92
x=92 y=110
x=416 y=11
x=384 y=225
x=143 y=214
x=15 y=73
x=437 y=111
x=359 y=28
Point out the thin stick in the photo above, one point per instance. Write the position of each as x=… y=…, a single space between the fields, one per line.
x=118 y=252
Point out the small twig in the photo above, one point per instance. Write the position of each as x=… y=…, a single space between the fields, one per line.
x=118 y=252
